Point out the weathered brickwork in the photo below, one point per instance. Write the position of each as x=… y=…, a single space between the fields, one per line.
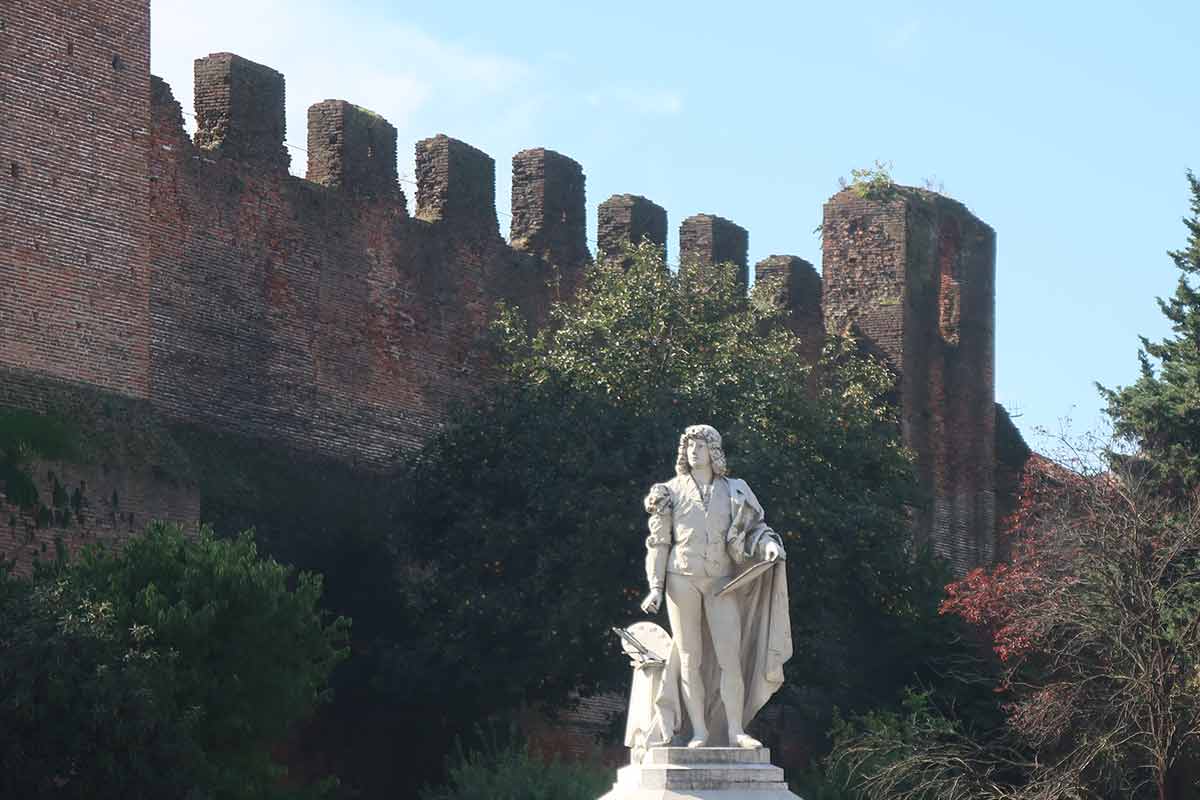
x=915 y=273
x=798 y=288
x=630 y=219
x=316 y=315
x=240 y=110
x=708 y=239
x=118 y=505
x=351 y=148
x=1012 y=458
x=125 y=471
x=328 y=316
x=456 y=183
x=74 y=125
x=549 y=219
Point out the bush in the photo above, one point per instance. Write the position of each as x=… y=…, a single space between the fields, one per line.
x=511 y=771
x=168 y=668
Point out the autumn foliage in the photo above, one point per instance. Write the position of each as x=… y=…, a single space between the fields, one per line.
x=992 y=597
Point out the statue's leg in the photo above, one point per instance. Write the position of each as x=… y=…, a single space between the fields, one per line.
x=725 y=624
x=685 y=610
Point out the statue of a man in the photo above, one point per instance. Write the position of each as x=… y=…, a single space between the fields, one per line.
x=705 y=529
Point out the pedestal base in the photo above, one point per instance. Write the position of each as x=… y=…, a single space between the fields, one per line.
x=704 y=773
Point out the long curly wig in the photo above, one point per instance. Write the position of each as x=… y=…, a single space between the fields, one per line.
x=713 y=439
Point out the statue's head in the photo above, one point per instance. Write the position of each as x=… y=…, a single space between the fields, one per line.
x=707 y=434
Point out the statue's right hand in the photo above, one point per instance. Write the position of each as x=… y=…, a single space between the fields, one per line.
x=652 y=602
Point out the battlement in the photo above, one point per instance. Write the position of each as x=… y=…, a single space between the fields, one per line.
x=798 y=288
x=351 y=148
x=709 y=239
x=456 y=183
x=240 y=110
x=799 y=283
x=549 y=219
x=630 y=219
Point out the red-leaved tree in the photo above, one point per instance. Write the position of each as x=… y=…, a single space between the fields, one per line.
x=1095 y=622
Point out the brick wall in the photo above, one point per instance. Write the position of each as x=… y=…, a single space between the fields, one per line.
x=352 y=148
x=709 y=239
x=74 y=124
x=549 y=218
x=322 y=315
x=630 y=219
x=125 y=470
x=319 y=313
x=90 y=503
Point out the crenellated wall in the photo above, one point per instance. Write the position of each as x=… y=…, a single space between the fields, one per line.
x=331 y=316
x=240 y=111
x=549 y=219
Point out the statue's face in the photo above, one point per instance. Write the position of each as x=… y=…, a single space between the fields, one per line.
x=697 y=454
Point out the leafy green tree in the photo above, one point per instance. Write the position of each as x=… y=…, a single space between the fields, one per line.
x=523 y=523
x=168 y=668
x=1160 y=412
x=84 y=704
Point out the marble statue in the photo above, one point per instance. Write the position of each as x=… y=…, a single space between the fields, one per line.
x=711 y=556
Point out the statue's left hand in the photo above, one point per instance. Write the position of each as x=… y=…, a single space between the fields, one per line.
x=772 y=551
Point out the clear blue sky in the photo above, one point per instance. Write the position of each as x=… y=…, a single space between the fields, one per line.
x=1066 y=126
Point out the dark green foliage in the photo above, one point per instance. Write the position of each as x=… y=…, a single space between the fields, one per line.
x=168 y=669
x=85 y=710
x=524 y=526
x=509 y=770
x=1160 y=412
x=25 y=436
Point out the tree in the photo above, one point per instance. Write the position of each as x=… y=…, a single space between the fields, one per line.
x=523 y=519
x=84 y=709
x=1093 y=620
x=168 y=668
x=1160 y=412
x=1096 y=626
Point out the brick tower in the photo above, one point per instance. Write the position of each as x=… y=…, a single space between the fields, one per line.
x=914 y=272
x=74 y=210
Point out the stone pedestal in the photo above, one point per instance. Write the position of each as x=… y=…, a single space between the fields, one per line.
x=704 y=773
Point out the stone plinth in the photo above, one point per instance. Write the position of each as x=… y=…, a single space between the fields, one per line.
x=704 y=773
